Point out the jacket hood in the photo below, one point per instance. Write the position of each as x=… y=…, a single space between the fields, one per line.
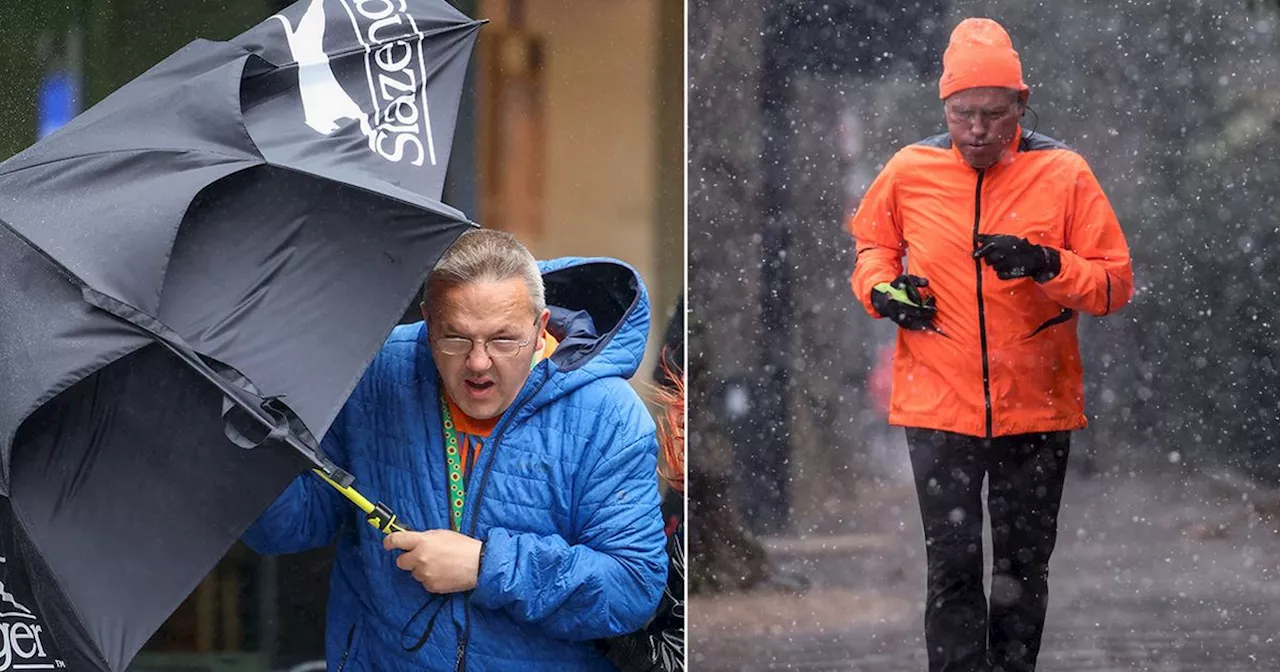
x=599 y=313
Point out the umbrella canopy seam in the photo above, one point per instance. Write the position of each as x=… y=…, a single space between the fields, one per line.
x=134 y=150
x=421 y=37
x=174 y=342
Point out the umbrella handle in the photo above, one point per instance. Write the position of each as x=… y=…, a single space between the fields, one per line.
x=382 y=518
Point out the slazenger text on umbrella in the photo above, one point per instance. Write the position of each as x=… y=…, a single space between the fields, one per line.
x=21 y=646
x=395 y=72
x=397 y=84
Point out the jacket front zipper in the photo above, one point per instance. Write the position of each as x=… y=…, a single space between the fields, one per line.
x=460 y=660
x=982 y=314
x=490 y=447
x=351 y=635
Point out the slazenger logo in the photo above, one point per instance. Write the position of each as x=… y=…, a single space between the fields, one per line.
x=396 y=120
x=21 y=637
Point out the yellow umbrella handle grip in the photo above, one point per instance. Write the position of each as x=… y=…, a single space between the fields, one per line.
x=378 y=515
x=383 y=519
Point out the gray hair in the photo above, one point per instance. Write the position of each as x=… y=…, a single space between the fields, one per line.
x=486 y=255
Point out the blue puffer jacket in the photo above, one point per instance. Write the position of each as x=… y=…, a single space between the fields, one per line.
x=564 y=495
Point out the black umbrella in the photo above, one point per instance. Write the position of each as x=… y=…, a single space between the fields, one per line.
x=194 y=273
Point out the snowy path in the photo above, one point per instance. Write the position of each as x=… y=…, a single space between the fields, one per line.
x=1157 y=575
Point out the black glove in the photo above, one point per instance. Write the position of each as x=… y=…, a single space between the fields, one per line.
x=1014 y=257
x=901 y=302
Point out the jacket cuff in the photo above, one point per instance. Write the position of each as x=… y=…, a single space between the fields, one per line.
x=488 y=592
x=1053 y=265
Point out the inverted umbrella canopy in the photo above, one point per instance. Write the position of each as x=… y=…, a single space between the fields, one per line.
x=193 y=274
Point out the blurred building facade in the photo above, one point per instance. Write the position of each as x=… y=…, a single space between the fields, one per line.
x=571 y=136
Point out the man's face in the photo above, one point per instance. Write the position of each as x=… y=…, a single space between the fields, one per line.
x=495 y=316
x=983 y=122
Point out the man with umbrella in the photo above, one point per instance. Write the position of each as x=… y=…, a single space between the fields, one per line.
x=1011 y=236
x=196 y=272
x=503 y=432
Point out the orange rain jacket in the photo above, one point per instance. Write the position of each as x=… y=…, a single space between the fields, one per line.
x=1008 y=360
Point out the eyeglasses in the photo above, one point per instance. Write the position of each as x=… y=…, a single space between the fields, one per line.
x=966 y=115
x=495 y=348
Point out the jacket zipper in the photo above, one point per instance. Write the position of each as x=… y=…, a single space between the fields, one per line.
x=460 y=659
x=1063 y=316
x=460 y=662
x=492 y=445
x=351 y=635
x=982 y=313
x=1108 y=293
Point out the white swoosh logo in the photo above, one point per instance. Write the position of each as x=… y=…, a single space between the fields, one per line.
x=7 y=597
x=324 y=102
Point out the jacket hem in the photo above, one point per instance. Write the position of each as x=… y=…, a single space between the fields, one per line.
x=978 y=428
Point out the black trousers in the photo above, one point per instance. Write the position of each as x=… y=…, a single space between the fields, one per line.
x=964 y=631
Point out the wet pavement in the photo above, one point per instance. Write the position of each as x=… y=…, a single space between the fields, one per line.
x=1166 y=573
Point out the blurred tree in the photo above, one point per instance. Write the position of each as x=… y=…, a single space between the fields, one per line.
x=769 y=261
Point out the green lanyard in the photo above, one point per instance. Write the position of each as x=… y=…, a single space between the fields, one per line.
x=453 y=455
x=457 y=487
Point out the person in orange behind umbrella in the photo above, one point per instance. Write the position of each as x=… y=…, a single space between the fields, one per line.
x=1008 y=237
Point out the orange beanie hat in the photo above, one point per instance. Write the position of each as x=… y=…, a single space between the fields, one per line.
x=980 y=54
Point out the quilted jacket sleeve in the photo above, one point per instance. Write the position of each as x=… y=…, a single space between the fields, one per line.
x=306 y=516
x=608 y=582
x=659 y=647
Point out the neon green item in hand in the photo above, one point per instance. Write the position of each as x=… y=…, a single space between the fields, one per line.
x=898 y=294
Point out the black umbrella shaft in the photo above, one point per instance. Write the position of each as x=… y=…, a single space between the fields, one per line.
x=259 y=414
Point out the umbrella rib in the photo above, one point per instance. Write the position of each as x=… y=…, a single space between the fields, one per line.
x=138 y=150
x=259 y=162
x=351 y=51
x=58 y=265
